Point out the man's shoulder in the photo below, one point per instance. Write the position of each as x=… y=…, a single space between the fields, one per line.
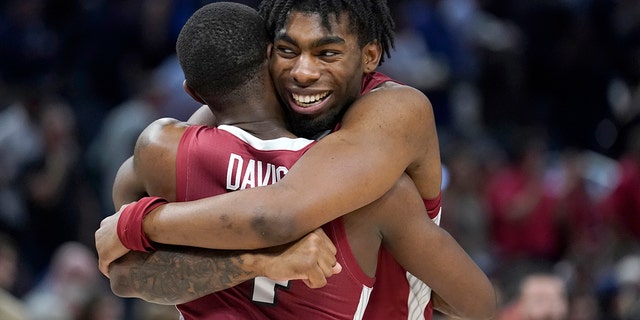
x=380 y=82
x=159 y=137
x=394 y=94
x=376 y=79
x=389 y=84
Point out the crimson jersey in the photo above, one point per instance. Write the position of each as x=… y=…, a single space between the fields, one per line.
x=398 y=294
x=212 y=161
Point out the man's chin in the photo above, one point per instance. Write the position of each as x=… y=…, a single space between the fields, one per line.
x=308 y=127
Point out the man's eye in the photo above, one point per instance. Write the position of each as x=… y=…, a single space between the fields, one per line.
x=285 y=50
x=329 y=53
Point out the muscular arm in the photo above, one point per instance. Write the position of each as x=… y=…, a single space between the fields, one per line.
x=384 y=133
x=431 y=254
x=174 y=275
x=127 y=187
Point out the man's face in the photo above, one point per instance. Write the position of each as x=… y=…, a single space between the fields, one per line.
x=544 y=298
x=317 y=72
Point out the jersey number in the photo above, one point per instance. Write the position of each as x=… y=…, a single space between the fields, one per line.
x=264 y=289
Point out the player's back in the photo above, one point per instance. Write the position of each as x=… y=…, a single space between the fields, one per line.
x=211 y=161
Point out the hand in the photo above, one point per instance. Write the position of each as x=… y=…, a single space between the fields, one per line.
x=311 y=259
x=108 y=244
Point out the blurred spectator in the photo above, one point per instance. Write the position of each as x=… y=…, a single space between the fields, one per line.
x=523 y=209
x=622 y=207
x=541 y=297
x=521 y=205
x=54 y=187
x=29 y=46
x=20 y=143
x=466 y=216
x=71 y=280
x=11 y=308
x=161 y=95
x=102 y=305
x=584 y=307
x=581 y=226
x=627 y=301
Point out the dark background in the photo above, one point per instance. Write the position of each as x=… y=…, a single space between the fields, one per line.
x=79 y=80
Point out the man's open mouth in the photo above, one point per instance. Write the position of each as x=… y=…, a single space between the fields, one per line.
x=310 y=99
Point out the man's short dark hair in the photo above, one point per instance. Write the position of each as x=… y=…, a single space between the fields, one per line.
x=371 y=19
x=221 y=47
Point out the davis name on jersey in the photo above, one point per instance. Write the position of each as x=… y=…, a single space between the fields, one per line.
x=249 y=173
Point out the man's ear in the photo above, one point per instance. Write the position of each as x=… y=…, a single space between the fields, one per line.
x=192 y=92
x=371 y=54
x=269 y=48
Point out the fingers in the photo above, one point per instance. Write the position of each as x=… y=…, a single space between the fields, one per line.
x=326 y=263
x=337 y=268
x=316 y=279
x=327 y=242
x=104 y=267
x=311 y=259
x=108 y=245
x=319 y=279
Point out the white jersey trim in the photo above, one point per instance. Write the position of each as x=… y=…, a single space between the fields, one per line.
x=419 y=292
x=291 y=144
x=364 y=301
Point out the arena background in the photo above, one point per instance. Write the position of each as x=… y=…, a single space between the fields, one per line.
x=543 y=94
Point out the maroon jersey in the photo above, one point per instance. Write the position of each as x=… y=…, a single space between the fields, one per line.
x=212 y=161
x=398 y=294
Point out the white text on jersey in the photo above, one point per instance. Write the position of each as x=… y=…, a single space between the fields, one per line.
x=252 y=174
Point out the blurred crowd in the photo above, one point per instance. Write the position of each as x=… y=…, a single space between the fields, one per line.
x=537 y=105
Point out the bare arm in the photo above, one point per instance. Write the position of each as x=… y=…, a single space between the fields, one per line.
x=378 y=141
x=431 y=254
x=174 y=274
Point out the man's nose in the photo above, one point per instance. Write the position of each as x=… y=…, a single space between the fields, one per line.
x=305 y=71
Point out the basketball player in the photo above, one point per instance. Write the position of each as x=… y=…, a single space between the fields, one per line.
x=319 y=65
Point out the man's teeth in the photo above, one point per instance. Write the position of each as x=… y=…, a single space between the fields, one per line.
x=309 y=98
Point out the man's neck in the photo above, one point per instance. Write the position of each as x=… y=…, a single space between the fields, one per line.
x=266 y=130
x=259 y=122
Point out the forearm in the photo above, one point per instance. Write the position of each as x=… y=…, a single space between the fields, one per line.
x=463 y=288
x=315 y=191
x=432 y=254
x=219 y=222
x=174 y=275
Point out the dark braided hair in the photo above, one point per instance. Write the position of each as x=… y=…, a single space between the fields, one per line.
x=221 y=47
x=370 y=18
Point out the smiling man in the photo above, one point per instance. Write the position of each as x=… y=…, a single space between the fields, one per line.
x=323 y=63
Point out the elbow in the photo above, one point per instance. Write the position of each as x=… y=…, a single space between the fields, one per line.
x=484 y=306
x=118 y=281
x=489 y=310
x=486 y=309
x=274 y=230
x=489 y=313
x=122 y=286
